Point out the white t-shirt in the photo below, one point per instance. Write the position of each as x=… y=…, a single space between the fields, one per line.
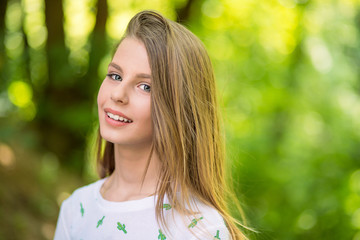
x=87 y=215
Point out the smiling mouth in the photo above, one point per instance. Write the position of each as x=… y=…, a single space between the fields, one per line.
x=118 y=118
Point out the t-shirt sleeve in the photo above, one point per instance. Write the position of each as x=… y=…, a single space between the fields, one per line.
x=206 y=224
x=213 y=233
x=61 y=232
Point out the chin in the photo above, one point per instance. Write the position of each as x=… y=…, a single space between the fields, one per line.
x=109 y=137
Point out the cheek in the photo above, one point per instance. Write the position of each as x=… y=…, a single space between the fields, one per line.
x=148 y=111
x=100 y=96
x=145 y=112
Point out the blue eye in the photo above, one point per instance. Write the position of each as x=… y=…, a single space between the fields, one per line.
x=114 y=76
x=145 y=87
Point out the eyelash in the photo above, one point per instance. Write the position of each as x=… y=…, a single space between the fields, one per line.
x=149 y=87
x=112 y=75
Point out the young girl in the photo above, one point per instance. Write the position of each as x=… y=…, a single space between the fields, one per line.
x=160 y=149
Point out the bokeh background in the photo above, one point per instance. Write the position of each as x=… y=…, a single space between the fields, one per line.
x=289 y=89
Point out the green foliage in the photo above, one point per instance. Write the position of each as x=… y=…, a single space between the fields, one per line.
x=288 y=84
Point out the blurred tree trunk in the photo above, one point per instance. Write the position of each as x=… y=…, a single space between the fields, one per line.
x=54 y=21
x=65 y=106
x=99 y=48
x=58 y=93
x=183 y=13
x=191 y=9
x=3 y=5
x=89 y=83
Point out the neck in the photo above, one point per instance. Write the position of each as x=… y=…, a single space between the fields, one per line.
x=130 y=179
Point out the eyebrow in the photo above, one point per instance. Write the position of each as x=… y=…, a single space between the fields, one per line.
x=139 y=75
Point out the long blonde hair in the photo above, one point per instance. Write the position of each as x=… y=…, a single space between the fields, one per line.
x=187 y=134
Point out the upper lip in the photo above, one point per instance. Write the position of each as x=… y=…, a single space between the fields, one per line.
x=117 y=113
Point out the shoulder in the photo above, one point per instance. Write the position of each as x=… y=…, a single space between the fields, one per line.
x=211 y=224
x=205 y=223
x=73 y=208
x=88 y=189
x=85 y=193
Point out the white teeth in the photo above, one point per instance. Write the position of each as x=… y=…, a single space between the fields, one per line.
x=118 y=118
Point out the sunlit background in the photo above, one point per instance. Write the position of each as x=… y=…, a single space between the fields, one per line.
x=289 y=86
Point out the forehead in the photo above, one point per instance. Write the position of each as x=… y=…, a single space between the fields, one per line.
x=131 y=56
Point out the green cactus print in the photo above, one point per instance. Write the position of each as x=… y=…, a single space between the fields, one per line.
x=194 y=222
x=161 y=235
x=82 y=211
x=100 y=222
x=217 y=235
x=121 y=227
x=167 y=206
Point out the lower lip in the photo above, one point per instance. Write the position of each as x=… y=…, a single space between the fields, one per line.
x=114 y=122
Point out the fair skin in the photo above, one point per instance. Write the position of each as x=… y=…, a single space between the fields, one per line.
x=125 y=93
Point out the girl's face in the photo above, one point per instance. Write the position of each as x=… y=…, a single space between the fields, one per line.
x=124 y=97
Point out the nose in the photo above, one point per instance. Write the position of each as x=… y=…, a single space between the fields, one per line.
x=119 y=94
